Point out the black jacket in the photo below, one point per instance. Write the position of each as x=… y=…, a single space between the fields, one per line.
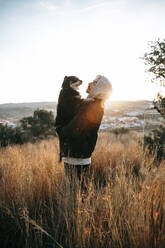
x=78 y=138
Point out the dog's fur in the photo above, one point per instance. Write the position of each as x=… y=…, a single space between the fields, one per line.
x=68 y=101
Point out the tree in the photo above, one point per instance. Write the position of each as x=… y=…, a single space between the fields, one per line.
x=155 y=61
x=31 y=129
x=41 y=123
x=10 y=135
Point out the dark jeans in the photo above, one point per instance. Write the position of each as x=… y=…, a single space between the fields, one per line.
x=77 y=175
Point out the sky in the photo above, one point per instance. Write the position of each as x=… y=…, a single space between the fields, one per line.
x=41 y=41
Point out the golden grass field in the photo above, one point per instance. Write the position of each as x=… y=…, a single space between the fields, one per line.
x=123 y=208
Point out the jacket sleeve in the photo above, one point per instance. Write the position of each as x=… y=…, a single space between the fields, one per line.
x=86 y=118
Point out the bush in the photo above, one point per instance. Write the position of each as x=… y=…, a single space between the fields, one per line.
x=120 y=131
x=41 y=123
x=155 y=142
x=32 y=128
x=9 y=135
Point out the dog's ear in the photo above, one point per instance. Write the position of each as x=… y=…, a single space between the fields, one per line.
x=65 y=78
x=64 y=82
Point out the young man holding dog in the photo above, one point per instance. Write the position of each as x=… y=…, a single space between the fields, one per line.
x=80 y=135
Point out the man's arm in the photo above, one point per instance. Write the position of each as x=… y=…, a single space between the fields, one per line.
x=87 y=117
x=77 y=124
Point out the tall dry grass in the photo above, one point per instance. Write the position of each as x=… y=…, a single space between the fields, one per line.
x=124 y=206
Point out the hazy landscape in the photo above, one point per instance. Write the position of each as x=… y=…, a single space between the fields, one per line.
x=13 y=112
x=135 y=115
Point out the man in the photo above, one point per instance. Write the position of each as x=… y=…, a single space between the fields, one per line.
x=80 y=135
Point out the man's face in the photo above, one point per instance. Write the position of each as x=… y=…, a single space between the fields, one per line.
x=90 y=86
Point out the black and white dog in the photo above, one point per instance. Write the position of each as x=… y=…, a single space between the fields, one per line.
x=68 y=101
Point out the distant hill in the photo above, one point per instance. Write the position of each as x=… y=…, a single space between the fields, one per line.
x=15 y=111
x=127 y=106
x=130 y=114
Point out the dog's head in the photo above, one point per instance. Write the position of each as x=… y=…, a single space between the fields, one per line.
x=71 y=82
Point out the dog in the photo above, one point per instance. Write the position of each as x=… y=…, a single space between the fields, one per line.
x=68 y=101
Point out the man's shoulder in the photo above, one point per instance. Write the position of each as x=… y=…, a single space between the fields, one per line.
x=92 y=102
x=91 y=105
x=85 y=103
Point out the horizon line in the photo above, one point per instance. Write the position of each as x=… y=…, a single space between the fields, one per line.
x=137 y=100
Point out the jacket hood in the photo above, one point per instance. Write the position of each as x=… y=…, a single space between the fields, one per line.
x=102 y=90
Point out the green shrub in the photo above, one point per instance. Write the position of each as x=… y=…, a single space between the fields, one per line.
x=120 y=131
x=32 y=128
x=155 y=142
x=10 y=135
x=41 y=123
